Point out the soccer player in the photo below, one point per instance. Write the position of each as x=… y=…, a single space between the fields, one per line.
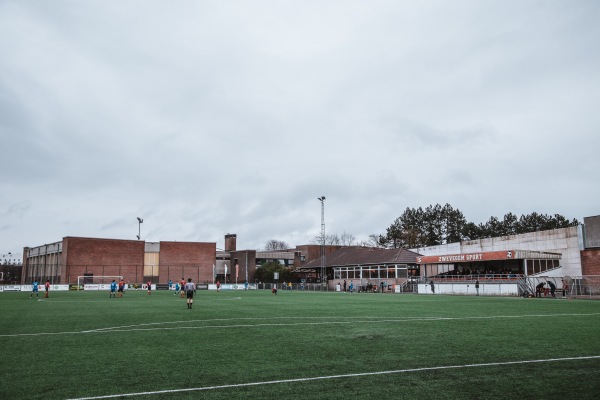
x=121 y=288
x=113 y=289
x=149 y=287
x=35 y=289
x=182 y=286
x=190 y=289
x=176 y=289
x=47 y=287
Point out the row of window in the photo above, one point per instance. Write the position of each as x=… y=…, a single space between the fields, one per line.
x=371 y=272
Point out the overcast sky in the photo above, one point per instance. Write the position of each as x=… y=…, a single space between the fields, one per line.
x=213 y=117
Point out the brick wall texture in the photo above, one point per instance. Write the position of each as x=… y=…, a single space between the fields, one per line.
x=187 y=260
x=241 y=258
x=102 y=257
x=590 y=262
x=113 y=257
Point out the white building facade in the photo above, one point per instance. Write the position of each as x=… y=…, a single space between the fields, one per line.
x=565 y=241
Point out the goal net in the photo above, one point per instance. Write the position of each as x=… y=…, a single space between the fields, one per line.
x=87 y=282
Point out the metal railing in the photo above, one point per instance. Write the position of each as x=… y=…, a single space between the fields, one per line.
x=482 y=278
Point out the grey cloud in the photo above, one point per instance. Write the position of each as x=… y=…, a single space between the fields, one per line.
x=212 y=117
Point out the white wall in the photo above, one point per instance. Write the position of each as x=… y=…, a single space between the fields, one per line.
x=485 y=289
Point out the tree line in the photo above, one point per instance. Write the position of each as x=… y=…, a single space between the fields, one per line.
x=436 y=224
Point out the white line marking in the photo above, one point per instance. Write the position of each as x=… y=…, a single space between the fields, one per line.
x=316 y=378
x=350 y=321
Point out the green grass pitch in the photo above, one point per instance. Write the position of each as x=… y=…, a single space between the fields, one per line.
x=297 y=345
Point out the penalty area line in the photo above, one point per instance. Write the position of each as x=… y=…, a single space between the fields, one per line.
x=317 y=378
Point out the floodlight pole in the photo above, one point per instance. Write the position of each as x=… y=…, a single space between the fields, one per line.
x=246 y=267
x=323 y=276
x=140 y=220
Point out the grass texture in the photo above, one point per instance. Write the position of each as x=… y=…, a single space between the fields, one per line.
x=297 y=345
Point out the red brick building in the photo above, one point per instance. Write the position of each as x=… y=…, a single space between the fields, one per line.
x=136 y=261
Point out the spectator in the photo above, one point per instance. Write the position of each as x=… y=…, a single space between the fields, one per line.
x=565 y=284
x=539 y=289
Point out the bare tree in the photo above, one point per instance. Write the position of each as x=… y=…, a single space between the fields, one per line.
x=276 y=245
x=347 y=239
x=332 y=239
x=374 y=241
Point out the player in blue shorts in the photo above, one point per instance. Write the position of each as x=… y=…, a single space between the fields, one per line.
x=35 y=289
x=113 y=289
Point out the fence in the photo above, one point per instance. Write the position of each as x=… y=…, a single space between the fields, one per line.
x=565 y=286
x=134 y=274
x=584 y=287
x=574 y=287
x=307 y=287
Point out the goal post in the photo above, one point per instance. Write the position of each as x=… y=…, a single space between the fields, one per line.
x=98 y=282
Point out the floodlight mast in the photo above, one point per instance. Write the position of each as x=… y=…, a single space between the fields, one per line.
x=323 y=275
x=140 y=221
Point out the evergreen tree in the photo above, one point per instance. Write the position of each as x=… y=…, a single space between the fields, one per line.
x=441 y=225
x=265 y=272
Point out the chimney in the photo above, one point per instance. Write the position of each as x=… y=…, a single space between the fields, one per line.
x=230 y=239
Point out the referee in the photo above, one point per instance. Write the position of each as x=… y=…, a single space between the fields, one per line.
x=190 y=289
